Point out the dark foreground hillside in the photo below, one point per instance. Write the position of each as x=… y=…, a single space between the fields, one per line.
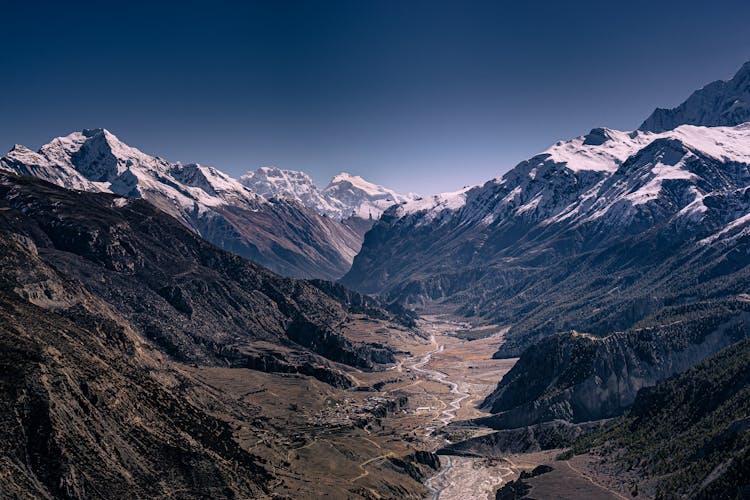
x=83 y=417
x=68 y=251
x=689 y=436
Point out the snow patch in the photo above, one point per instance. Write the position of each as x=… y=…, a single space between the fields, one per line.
x=439 y=202
x=650 y=191
x=723 y=143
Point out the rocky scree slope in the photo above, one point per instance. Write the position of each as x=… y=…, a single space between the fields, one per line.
x=281 y=234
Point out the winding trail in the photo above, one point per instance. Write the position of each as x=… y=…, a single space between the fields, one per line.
x=362 y=466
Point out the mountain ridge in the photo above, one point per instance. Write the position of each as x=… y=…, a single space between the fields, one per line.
x=197 y=302
x=593 y=234
x=280 y=233
x=720 y=103
x=345 y=196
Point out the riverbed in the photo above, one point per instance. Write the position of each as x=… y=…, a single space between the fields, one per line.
x=466 y=367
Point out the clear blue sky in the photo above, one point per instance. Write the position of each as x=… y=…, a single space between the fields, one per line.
x=420 y=96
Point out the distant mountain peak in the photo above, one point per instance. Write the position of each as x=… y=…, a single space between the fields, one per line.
x=597 y=137
x=720 y=103
x=347 y=177
x=284 y=179
x=345 y=195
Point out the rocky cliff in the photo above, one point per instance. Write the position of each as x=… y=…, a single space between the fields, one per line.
x=687 y=437
x=578 y=377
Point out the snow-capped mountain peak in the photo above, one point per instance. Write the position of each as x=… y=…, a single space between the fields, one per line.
x=370 y=188
x=602 y=149
x=212 y=181
x=606 y=149
x=618 y=178
x=96 y=160
x=282 y=234
x=721 y=103
x=436 y=203
x=345 y=195
x=363 y=198
x=358 y=182
x=95 y=146
x=273 y=181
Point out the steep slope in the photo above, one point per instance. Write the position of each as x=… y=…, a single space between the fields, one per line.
x=347 y=196
x=280 y=234
x=721 y=103
x=577 y=377
x=196 y=302
x=86 y=416
x=688 y=437
x=138 y=360
x=591 y=235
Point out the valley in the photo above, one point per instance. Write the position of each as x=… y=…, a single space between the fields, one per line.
x=467 y=373
x=445 y=378
x=578 y=327
x=338 y=443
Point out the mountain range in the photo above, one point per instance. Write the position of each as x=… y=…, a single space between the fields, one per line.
x=619 y=261
x=593 y=234
x=345 y=196
x=279 y=228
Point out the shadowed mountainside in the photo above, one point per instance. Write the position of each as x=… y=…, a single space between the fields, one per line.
x=688 y=436
x=579 y=377
x=196 y=302
x=83 y=417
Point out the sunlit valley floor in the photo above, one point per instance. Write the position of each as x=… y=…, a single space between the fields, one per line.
x=338 y=443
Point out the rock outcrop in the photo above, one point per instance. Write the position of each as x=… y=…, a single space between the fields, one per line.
x=578 y=377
